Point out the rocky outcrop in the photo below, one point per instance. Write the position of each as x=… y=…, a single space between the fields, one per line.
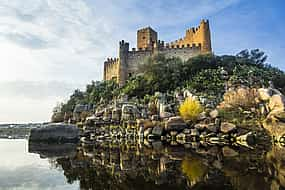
x=227 y=127
x=277 y=107
x=175 y=124
x=55 y=133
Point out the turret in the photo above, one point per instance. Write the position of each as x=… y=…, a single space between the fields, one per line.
x=205 y=37
x=146 y=38
x=123 y=58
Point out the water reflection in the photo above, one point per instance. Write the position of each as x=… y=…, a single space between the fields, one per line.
x=131 y=165
x=20 y=170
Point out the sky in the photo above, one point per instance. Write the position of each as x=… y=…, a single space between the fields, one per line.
x=48 y=48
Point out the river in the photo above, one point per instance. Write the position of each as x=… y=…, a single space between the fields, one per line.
x=132 y=165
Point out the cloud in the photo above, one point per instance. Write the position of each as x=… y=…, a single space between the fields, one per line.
x=32 y=101
x=36 y=90
x=26 y=40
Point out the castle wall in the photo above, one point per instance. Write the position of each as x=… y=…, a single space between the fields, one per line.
x=183 y=53
x=135 y=58
x=111 y=67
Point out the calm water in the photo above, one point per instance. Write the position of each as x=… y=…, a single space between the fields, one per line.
x=21 y=170
x=129 y=165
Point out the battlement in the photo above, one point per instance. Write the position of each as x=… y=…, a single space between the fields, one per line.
x=110 y=68
x=162 y=46
x=196 y=29
x=197 y=35
x=111 y=61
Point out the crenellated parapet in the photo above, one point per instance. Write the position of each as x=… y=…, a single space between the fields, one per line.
x=196 y=35
x=163 y=46
x=111 y=66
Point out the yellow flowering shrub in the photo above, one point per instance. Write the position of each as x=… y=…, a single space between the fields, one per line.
x=190 y=109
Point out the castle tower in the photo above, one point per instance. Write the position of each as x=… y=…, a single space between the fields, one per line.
x=200 y=36
x=205 y=37
x=123 y=58
x=146 y=38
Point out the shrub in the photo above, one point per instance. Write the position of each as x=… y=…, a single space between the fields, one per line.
x=190 y=109
x=244 y=98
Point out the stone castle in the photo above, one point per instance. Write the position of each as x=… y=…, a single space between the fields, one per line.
x=195 y=42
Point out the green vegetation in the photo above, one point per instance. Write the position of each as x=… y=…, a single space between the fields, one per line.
x=205 y=75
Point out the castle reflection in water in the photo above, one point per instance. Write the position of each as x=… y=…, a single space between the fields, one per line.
x=137 y=165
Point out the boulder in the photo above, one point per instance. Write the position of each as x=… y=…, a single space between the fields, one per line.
x=165 y=115
x=227 y=127
x=194 y=132
x=175 y=124
x=264 y=93
x=277 y=103
x=214 y=114
x=200 y=126
x=147 y=132
x=157 y=131
x=277 y=107
x=55 y=133
x=202 y=116
x=213 y=128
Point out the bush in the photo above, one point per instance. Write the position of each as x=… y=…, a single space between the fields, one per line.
x=190 y=109
x=244 y=98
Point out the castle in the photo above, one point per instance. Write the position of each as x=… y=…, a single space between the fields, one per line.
x=195 y=42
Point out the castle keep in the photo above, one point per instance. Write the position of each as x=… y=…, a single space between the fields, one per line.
x=196 y=41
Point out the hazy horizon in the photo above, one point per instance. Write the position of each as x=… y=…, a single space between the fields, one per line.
x=49 y=48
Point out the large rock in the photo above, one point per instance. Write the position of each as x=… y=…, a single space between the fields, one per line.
x=55 y=133
x=277 y=103
x=264 y=93
x=227 y=127
x=213 y=128
x=157 y=131
x=147 y=132
x=175 y=124
x=277 y=107
x=200 y=126
x=214 y=114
